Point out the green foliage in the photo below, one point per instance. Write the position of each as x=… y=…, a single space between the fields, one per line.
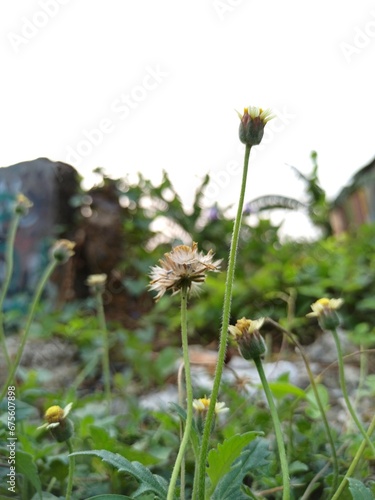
x=222 y=457
x=276 y=278
x=253 y=457
x=148 y=482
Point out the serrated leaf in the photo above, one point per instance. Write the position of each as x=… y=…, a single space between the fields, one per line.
x=148 y=482
x=221 y=458
x=27 y=467
x=253 y=457
x=359 y=490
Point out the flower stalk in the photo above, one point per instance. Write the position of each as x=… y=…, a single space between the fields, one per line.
x=38 y=292
x=96 y=282
x=355 y=462
x=189 y=396
x=60 y=253
x=277 y=429
x=325 y=311
x=345 y=392
x=199 y=480
x=21 y=208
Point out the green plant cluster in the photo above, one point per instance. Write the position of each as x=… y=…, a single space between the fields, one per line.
x=129 y=452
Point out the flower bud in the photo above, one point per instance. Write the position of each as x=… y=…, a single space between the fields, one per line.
x=96 y=282
x=325 y=311
x=62 y=250
x=250 y=342
x=61 y=427
x=22 y=205
x=252 y=125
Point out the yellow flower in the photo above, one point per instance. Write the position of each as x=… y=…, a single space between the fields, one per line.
x=55 y=415
x=57 y=422
x=252 y=124
x=201 y=406
x=248 y=338
x=324 y=305
x=184 y=266
x=325 y=310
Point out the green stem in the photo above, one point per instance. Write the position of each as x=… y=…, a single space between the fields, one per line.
x=189 y=395
x=9 y=249
x=335 y=463
x=105 y=356
x=277 y=428
x=345 y=391
x=200 y=473
x=355 y=461
x=38 y=292
x=69 y=487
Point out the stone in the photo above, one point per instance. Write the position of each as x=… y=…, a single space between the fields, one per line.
x=50 y=186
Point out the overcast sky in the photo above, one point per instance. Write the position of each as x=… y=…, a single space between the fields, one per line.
x=142 y=86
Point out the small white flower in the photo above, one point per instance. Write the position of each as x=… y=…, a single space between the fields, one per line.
x=324 y=306
x=201 y=406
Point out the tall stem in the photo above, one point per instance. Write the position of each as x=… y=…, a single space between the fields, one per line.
x=277 y=428
x=105 y=356
x=355 y=461
x=345 y=391
x=200 y=473
x=189 y=395
x=335 y=464
x=9 y=249
x=38 y=292
x=69 y=487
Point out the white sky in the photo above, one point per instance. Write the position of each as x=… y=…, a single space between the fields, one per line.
x=162 y=80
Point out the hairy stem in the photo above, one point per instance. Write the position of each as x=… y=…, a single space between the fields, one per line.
x=199 y=480
x=9 y=249
x=189 y=396
x=38 y=292
x=277 y=429
x=345 y=392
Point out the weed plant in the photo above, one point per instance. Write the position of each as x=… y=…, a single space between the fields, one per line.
x=247 y=437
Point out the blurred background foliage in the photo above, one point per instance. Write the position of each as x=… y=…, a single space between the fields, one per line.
x=275 y=276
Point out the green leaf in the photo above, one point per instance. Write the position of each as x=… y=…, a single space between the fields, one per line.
x=221 y=458
x=109 y=497
x=359 y=490
x=27 y=467
x=148 y=482
x=194 y=434
x=281 y=389
x=253 y=457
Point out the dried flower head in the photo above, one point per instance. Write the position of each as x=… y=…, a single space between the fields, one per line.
x=246 y=334
x=183 y=267
x=62 y=250
x=22 y=204
x=325 y=310
x=58 y=423
x=252 y=124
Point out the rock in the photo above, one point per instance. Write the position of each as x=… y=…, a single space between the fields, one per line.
x=49 y=186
